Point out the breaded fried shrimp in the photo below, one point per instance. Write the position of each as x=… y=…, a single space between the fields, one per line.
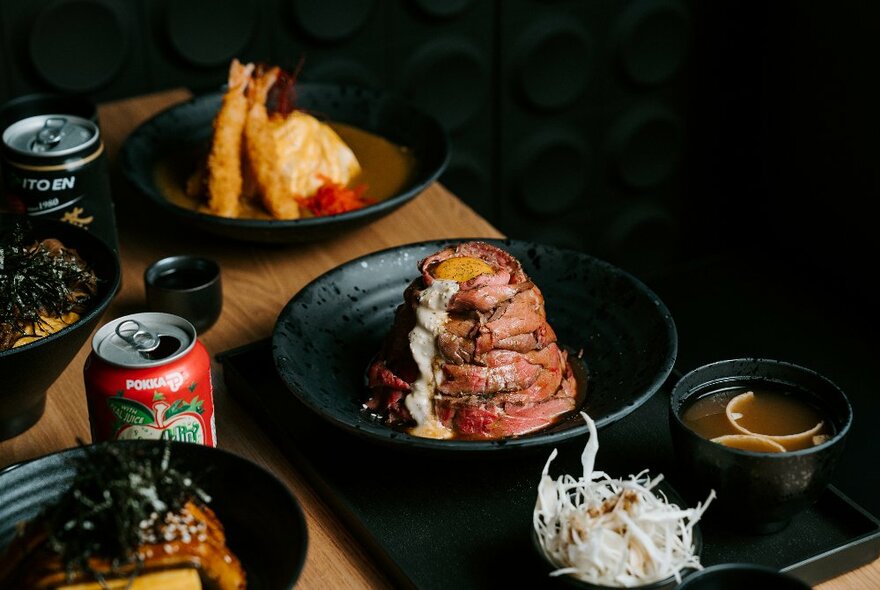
x=224 y=161
x=261 y=152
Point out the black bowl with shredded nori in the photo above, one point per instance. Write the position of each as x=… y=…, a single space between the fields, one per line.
x=37 y=282
x=263 y=523
x=119 y=495
x=30 y=369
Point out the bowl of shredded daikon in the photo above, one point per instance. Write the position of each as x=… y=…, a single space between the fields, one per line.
x=595 y=531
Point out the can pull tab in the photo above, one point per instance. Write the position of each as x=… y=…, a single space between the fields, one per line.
x=133 y=332
x=50 y=135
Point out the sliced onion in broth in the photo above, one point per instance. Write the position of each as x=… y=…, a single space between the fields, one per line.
x=794 y=441
x=750 y=442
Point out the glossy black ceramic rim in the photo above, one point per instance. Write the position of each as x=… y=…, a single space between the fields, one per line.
x=677 y=396
x=302 y=528
x=386 y=435
x=99 y=308
x=171 y=264
x=150 y=132
x=699 y=576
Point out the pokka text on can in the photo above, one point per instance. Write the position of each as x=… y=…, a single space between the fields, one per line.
x=148 y=377
x=54 y=166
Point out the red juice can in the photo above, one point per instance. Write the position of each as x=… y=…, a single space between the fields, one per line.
x=148 y=377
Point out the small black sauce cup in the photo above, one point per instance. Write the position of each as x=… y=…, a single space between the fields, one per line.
x=188 y=286
x=736 y=576
x=757 y=492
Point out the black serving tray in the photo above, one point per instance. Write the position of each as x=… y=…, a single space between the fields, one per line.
x=464 y=521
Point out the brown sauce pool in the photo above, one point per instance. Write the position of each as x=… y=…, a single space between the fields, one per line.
x=386 y=169
x=770 y=412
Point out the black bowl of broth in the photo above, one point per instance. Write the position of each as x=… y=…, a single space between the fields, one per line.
x=766 y=435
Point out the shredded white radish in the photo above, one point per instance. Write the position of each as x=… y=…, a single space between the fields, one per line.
x=613 y=532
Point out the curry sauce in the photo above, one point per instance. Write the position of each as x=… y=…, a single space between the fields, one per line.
x=386 y=170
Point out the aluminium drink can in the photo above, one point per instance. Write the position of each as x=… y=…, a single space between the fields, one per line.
x=54 y=167
x=149 y=377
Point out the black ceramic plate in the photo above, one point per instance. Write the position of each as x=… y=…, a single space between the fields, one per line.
x=186 y=127
x=327 y=334
x=264 y=524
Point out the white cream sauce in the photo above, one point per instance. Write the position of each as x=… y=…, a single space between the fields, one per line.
x=431 y=317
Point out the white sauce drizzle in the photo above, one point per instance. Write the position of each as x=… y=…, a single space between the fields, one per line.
x=431 y=317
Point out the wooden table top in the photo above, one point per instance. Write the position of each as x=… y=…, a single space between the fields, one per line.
x=257 y=282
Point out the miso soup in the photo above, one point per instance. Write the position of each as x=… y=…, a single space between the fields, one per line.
x=748 y=417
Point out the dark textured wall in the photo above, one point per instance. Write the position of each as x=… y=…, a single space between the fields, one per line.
x=567 y=118
x=643 y=131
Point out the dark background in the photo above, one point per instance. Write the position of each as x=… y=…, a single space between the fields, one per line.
x=725 y=152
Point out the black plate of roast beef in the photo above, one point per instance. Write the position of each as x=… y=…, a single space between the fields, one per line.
x=467 y=345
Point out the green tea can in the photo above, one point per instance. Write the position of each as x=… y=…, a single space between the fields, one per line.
x=54 y=167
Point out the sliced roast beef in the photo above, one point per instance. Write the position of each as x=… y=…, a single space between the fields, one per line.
x=380 y=376
x=388 y=403
x=543 y=388
x=478 y=282
x=523 y=419
x=523 y=315
x=477 y=379
x=456 y=349
x=501 y=372
x=483 y=298
x=489 y=421
x=519 y=343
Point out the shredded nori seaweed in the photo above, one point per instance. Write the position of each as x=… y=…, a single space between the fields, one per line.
x=120 y=494
x=36 y=282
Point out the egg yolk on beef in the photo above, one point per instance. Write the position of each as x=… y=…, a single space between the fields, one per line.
x=461 y=269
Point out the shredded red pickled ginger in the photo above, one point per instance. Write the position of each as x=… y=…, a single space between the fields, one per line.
x=333 y=198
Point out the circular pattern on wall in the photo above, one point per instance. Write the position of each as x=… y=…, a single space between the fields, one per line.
x=642 y=237
x=467 y=178
x=653 y=40
x=342 y=71
x=553 y=63
x=647 y=144
x=449 y=78
x=209 y=33
x=556 y=235
x=553 y=168
x=78 y=45
x=443 y=8
x=334 y=21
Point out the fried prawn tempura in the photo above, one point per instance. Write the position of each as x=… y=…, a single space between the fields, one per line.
x=280 y=155
x=224 y=162
x=261 y=152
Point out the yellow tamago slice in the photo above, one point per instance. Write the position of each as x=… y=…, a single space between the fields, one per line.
x=180 y=579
